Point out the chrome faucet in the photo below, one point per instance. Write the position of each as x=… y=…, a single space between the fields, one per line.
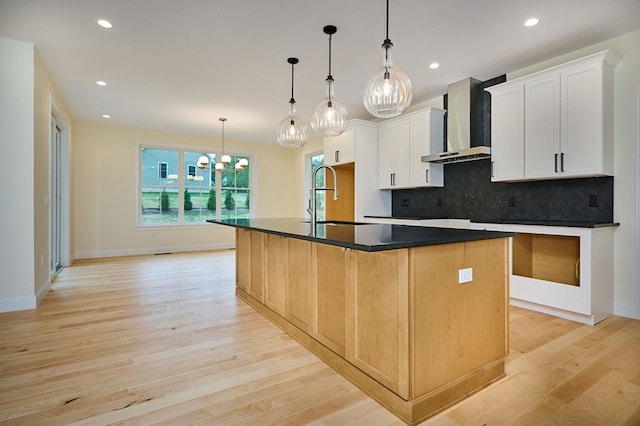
x=312 y=201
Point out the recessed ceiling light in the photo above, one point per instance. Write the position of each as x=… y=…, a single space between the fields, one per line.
x=101 y=83
x=434 y=65
x=106 y=116
x=104 y=23
x=531 y=22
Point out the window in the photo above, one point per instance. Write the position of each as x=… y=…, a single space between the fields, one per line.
x=173 y=190
x=162 y=170
x=314 y=160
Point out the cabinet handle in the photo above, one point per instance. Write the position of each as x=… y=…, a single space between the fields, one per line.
x=426 y=176
x=337 y=156
x=578 y=269
x=555 y=161
x=392 y=179
x=562 y=162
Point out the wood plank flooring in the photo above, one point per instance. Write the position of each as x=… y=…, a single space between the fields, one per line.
x=163 y=340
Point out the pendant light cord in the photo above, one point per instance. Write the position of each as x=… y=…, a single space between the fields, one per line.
x=387 y=42
x=292 y=101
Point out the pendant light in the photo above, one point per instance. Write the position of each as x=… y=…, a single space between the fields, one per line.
x=330 y=118
x=293 y=131
x=224 y=159
x=388 y=93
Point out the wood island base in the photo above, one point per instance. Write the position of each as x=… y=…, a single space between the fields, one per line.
x=418 y=329
x=410 y=411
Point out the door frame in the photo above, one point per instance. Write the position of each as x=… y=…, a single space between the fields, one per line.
x=63 y=166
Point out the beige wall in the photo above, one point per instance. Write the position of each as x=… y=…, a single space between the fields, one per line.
x=46 y=100
x=16 y=175
x=626 y=89
x=104 y=170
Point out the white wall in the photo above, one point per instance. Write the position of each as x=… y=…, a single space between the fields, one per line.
x=16 y=175
x=105 y=188
x=626 y=85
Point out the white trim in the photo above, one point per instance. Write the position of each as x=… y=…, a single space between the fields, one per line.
x=625 y=310
x=98 y=254
x=42 y=291
x=12 y=304
x=556 y=312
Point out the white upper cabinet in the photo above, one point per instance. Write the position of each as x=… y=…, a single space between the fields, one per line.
x=556 y=123
x=359 y=145
x=340 y=149
x=507 y=132
x=402 y=141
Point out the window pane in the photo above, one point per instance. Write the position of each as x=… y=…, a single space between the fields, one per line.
x=199 y=189
x=159 y=191
x=236 y=196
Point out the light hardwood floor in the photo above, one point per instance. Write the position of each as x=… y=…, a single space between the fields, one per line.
x=163 y=340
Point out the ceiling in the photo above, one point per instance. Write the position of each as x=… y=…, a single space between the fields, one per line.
x=179 y=65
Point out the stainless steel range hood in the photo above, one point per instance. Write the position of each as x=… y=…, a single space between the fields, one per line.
x=465 y=124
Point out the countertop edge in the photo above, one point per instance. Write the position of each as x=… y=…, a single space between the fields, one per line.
x=475 y=235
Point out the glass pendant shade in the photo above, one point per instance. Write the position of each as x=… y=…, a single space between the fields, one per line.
x=331 y=116
x=293 y=132
x=388 y=93
x=219 y=167
x=225 y=159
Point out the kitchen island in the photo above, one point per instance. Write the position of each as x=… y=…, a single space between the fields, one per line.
x=414 y=316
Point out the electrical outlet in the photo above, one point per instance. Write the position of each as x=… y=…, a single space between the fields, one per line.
x=404 y=202
x=439 y=202
x=465 y=275
x=593 y=200
x=511 y=201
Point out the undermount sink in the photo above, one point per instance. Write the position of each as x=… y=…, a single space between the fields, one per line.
x=336 y=222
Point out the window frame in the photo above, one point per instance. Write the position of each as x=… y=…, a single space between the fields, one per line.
x=181 y=149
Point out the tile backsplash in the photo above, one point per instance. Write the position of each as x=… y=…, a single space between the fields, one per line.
x=469 y=193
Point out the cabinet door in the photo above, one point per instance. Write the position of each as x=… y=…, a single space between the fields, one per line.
x=243 y=259
x=299 y=308
x=542 y=127
x=378 y=317
x=402 y=156
x=507 y=133
x=340 y=149
x=329 y=297
x=257 y=266
x=426 y=137
x=276 y=272
x=393 y=154
x=582 y=121
x=386 y=156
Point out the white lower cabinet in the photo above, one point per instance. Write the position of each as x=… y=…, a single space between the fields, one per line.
x=562 y=271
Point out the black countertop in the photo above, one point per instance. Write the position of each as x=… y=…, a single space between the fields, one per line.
x=543 y=222
x=567 y=223
x=362 y=236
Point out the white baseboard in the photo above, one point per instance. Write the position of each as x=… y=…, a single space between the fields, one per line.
x=626 y=310
x=12 y=304
x=42 y=291
x=149 y=250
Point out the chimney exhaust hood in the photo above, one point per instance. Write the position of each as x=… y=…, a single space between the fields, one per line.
x=466 y=107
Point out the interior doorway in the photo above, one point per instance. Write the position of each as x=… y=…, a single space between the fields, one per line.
x=59 y=197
